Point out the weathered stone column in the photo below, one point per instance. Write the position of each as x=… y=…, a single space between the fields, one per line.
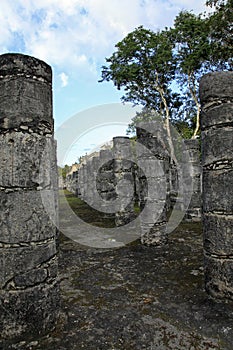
x=29 y=292
x=88 y=183
x=123 y=171
x=193 y=212
x=216 y=94
x=105 y=178
x=152 y=184
x=80 y=181
x=83 y=182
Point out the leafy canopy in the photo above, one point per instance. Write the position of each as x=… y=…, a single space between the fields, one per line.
x=161 y=70
x=143 y=65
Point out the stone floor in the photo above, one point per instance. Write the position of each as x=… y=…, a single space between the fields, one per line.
x=136 y=297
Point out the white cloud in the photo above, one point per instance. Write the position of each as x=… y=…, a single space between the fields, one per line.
x=64 y=79
x=76 y=35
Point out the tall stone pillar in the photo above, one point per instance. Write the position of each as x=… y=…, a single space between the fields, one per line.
x=105 y=178
x=123 y=171
x=216 y=94
x=80 y=181
x=84 y=182
x=193 y=212
x=152 y=166
x=29 y=291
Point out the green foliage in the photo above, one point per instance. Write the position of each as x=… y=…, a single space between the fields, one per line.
x=216 y=3
x=192 y=47
x=184 y=128
x=147 y=65
x=146 y=115
x=192 y=51
x=143 y=65
x=63 y=171
x=220 y=24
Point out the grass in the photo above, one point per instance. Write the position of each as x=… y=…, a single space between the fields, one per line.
x=87 y=213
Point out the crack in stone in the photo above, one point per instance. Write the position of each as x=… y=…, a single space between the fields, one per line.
x=218 y=256
x=25 y=244
x=223 y=164
x=50 y=282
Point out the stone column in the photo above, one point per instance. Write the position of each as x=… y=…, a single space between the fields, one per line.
x=80 y=181
x=91 y=183
x=123 y=170
x=193 y=212
x=216 y=95
x=84 y=182
x=153 y=184
x=29 y=292
x=105 y=178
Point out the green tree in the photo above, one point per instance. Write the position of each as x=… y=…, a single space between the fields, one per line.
x=221 y=33
x=144 y=67
x=192 y=51
x=63 y=171
x=146 y=115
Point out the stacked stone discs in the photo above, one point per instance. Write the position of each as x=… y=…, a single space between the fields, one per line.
x=124 y=179
x=152 y=183
x=28 y=262
x=216 y=94
x=193 y=212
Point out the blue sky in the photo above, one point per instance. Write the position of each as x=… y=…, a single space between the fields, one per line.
x=74 y=37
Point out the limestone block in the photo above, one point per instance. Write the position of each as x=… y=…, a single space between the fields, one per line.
x=218 y=191
x=25 y=93
x=217 y=146
x=195 y=200
x=27 y=160
x=21 y=260
x=217 y=232
x=14 y=64
x=25 y=103
x=151 y=167
x=24 y=217
x=122 y=165
x=219 y=277
x=216 y=86
x=153 y=213
x=217 y=115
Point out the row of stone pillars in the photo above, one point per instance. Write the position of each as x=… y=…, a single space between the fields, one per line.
x=29 y=291
x=106 y=178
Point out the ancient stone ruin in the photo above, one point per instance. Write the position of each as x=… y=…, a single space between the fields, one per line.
x=213 y=176
x=216 y=94
x=146 y=165
x=193 y=213
x=124 y=179
x=152 y=178
x=29 y=291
